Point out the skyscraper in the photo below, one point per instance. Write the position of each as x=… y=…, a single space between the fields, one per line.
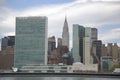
x=7 y=41
x=78 y=35
x=94 y=34
x=115 y=53
x=4 y=43
x=103 y=50
x=109 y=49
x=86 y=50
x=65 y=34
x=87 y=45
x=90 y=37
x=51 y=43
x=59 y=42
x=31 y=41
x=97 y=53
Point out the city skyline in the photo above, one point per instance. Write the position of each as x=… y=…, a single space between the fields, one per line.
x=89 y=14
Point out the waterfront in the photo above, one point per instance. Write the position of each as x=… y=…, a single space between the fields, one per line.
x=57 y=78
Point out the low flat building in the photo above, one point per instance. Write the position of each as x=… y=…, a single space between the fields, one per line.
x=60 y=68
x=106 y=63
x=79 y=67
x=117 y=70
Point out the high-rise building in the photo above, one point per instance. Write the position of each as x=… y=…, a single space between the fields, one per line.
x=51 y=43
x=86 y=50
x=103 y=50
x=109 y=49
x=4 y=43
x=97 y=52
x=87 y=46
x=106 y=63
x=59 y=42
x=77 y=51
x=51 y=48
x=7 y=41
x=88 y=32
x=11 y=40
x=31 y=41
x=59 y=45
x=115 y=53
x=65 y=34
x=94 y=34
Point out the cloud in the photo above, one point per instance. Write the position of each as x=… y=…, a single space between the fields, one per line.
x=7 y=24
x=112 y=34
x=87 y=14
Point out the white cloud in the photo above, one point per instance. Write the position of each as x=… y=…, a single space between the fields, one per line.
x=112 y=34
x=88 y=14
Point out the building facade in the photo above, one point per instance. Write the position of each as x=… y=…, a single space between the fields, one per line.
x=115 y=53
x=109 y=49
x=4 y=43
x=103 y=50
x=51 y=43
x=78 y=35
x=6 y=61
x=110 y=55
x=96 y=45
x=94 y=34
x=31 y=41
x=86 y=51
x=59 y=42
x=96 y=53
x=65 y=34
x=106 y=63
x=87 y=46
x=7 y=41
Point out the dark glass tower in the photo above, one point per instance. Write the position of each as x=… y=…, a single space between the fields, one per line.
x=78 y=35
x=7 y=41
x=51 y=43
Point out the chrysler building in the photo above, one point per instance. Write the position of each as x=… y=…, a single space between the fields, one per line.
x=65 y=34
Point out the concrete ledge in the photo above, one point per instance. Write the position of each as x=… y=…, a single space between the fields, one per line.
x=20 y=74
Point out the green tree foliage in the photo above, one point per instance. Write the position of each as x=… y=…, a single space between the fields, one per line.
x=114 y=66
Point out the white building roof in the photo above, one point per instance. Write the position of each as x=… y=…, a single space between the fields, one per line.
x=77 y=64
x=117 y=70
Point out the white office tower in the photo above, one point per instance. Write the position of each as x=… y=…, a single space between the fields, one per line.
x=87 y=44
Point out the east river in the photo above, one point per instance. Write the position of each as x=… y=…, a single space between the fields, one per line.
x=56 y=78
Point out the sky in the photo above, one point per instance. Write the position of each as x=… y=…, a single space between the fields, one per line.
x=101 y=14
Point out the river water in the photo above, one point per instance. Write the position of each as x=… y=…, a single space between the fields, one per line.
x=56 y=78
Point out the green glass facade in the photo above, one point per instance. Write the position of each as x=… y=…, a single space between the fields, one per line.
x=88 y=32
x=78 y=34
x=30 y=41
x=106 y=63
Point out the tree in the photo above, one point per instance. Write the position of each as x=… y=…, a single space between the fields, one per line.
x=114 y=66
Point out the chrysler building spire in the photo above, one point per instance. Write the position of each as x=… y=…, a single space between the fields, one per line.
x=65 y=34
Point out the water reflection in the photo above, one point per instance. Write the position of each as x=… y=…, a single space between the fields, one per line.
x=55 y=78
